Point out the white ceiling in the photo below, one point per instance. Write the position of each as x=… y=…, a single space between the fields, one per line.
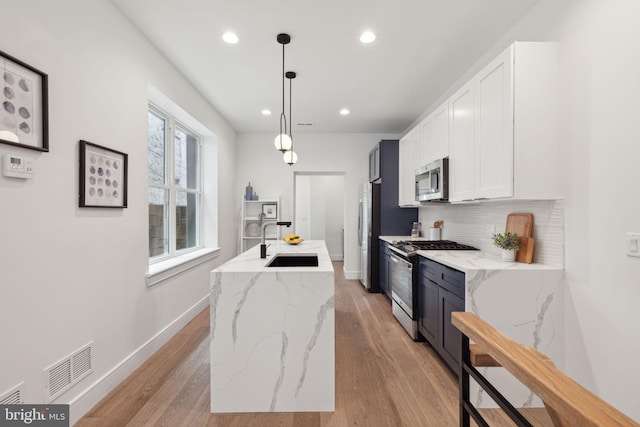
x=422 y=48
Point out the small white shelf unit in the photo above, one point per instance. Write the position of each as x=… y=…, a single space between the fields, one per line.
x=254 y=214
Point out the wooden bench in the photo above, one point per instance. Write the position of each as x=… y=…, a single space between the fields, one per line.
x=566 y=401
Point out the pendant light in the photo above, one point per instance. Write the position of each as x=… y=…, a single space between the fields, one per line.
x=290 y=157
x=283 y=141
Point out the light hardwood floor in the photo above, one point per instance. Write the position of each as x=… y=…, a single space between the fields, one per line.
x=383 y=378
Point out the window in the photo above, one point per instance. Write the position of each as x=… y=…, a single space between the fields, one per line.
x=175 y=196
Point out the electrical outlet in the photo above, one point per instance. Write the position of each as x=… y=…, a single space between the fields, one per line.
x=491 y=229
x=633 y=245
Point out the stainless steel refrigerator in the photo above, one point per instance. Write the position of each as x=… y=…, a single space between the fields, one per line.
x=379 y=215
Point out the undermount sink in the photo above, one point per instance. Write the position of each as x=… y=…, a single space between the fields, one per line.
x=294 y=260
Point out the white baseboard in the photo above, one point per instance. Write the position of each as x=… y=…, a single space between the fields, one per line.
x=336 y=257
x=351 y=275
x=83 y=403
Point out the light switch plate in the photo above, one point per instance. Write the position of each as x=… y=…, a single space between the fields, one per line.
x=633 y=245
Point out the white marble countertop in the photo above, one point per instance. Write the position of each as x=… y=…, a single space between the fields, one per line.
x=468 y=261
x=250 y=260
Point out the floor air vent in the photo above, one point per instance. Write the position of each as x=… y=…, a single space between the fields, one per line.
x=60 y=376
x=13 y=396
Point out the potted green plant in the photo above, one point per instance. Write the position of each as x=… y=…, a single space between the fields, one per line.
x=509 y=243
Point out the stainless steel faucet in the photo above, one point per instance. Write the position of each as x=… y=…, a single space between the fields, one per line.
x=263 y=246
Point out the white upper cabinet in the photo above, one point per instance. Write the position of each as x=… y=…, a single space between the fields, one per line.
x=436 y=145
x=499 y=130
x=409 y=159
x=494 y=129
x=503 y=128
x=461 y=143
x=427 y=134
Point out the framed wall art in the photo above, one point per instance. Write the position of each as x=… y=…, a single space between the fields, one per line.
x=24 y=117
x=270 y=210
x=103 y=177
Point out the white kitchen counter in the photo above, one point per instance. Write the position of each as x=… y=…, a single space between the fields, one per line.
x=251 y=261
x=272 y=333
x=469 y=261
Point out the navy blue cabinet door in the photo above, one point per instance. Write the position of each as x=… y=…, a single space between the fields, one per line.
x=450 y=341
x=384 y=268
x=374 y=164
x=428 y=318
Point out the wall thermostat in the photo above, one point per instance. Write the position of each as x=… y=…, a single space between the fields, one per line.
x=18 y=166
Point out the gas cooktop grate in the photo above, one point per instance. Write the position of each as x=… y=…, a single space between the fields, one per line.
x=432 y=245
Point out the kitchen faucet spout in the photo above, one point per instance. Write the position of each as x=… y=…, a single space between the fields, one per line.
x=263 y=246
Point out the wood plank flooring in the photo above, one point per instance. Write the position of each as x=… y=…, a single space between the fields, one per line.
x=383 y=378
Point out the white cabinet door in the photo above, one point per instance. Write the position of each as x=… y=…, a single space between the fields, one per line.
x=461 y=143
x=409 y=147
x=494 y=129
x=435 y=134
x=416 y=152
x=439 y=147
x=427 y=135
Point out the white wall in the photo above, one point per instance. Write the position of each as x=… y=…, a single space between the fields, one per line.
x=302 y=220
x=319 y=213
x=72 y=275
x=600 y=69
x=259 y=162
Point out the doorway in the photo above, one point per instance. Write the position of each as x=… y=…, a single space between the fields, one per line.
x=319 y=209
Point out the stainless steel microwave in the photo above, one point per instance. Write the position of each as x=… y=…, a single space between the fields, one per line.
x=432 y=181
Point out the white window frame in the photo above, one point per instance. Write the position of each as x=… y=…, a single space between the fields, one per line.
x=171 y=123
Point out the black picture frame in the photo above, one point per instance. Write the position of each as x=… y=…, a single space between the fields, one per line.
x=270 y=210
x=103 y=177
x=24 y=105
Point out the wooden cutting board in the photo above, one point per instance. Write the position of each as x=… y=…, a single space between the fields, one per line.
x=522 y=224
x=525 y=254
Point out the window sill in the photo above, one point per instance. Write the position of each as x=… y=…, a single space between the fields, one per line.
x=170 y=268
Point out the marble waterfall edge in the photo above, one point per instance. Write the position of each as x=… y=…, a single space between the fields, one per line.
x=525 y=305
x=272 y=334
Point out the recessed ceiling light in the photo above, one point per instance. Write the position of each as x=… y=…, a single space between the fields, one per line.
x=344 y=112
x=266 y=112
x=230 y=37
x=367 y=37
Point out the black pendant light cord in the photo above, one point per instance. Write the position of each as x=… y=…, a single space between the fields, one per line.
x=282 y=115
x=290 y=120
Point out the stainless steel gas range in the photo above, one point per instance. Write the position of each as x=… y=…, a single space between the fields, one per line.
x=404 y=278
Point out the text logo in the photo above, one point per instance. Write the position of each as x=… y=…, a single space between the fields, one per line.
x=34 y=415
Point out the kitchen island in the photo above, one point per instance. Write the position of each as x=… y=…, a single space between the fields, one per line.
x=272 y=333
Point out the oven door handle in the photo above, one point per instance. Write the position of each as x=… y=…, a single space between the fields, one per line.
x=400 y=261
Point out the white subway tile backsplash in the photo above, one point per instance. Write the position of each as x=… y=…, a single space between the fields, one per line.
x=468 y=224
